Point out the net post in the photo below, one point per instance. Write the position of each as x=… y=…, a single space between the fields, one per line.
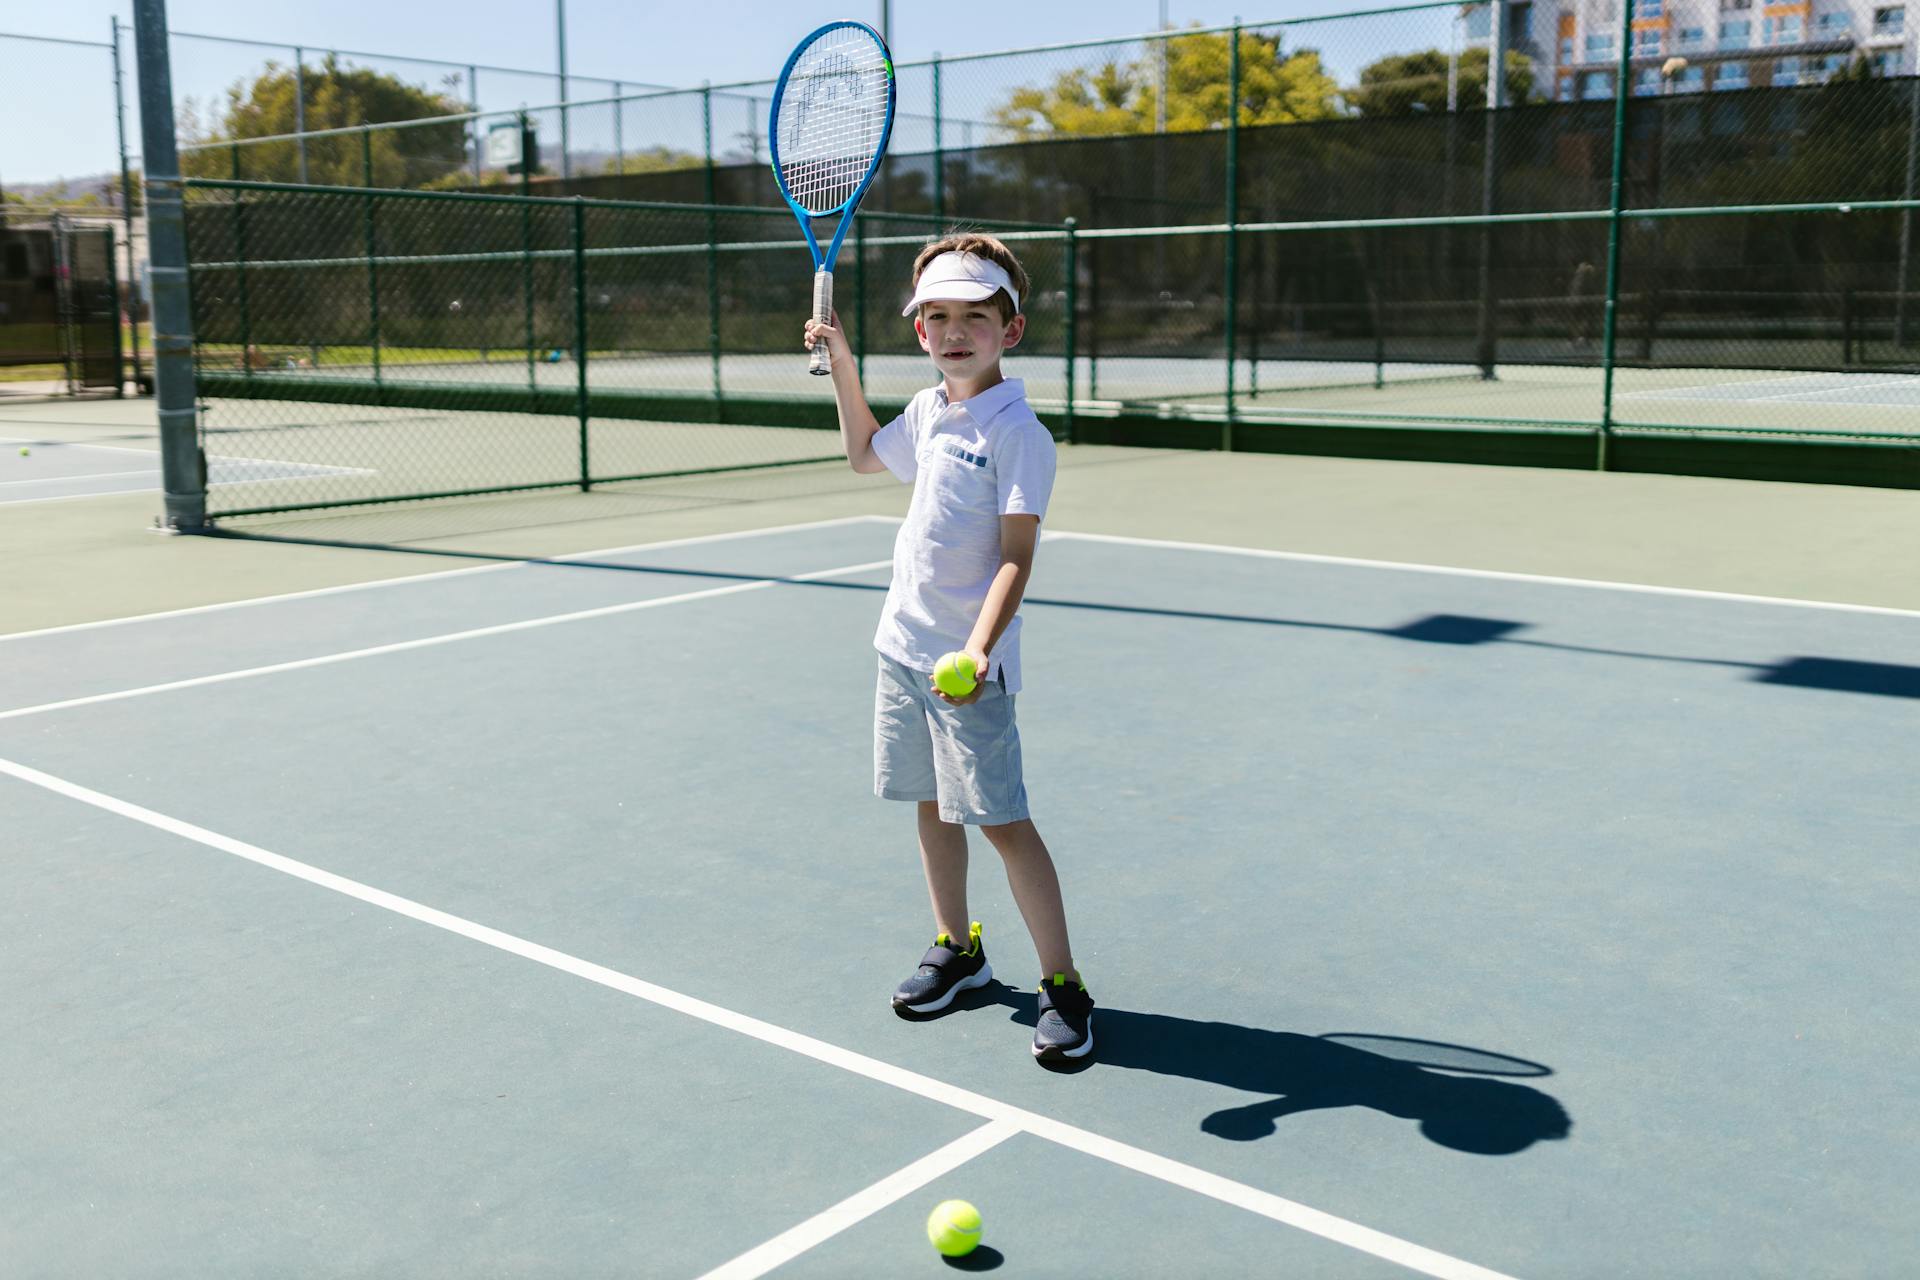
x=713 y=247
x=1612 y=315
x=126 y=212
x=939 y=146
x=580 y=334
x=183 y=467
x=1073 y=309
x=1233 y=220
x=300 y=108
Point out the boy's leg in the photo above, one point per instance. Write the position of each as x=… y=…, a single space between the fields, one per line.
x=943 y=853
x=1036 y=889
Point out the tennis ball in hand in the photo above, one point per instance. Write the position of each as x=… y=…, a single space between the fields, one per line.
x=954 y=675
x=954 y=1228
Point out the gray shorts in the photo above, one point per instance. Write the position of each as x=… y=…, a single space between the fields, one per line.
x=967 y=758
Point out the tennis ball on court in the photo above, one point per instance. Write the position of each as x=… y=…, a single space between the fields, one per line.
x=954 y=1228
x=25 y=452
x=954 y=675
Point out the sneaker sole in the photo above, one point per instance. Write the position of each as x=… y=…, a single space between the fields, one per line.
x=940 y=1002
x=1051 y=1053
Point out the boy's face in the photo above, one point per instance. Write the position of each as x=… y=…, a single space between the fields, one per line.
x=965 y=339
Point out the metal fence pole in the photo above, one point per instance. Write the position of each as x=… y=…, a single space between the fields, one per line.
x=1233 y=218
x=566 y=137
x=473 y=105
x=1612 y=318
x=126 y=215
x=580 y=334
x=183 y=468
x=373 y=264
x=713 y=245
x=939 y=147
x=619 y=141
x=240 y=279
x=300 y=106
x=1901 y=280
x=1488 y=341
x=1073 y=309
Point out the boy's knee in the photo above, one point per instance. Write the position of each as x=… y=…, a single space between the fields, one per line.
x=1006 y=835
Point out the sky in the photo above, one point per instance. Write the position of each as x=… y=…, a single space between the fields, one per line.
x=56 y=103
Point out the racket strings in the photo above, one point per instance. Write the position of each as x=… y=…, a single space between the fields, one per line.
x=833 y=117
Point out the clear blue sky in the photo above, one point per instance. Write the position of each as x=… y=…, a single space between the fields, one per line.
x=57 y=102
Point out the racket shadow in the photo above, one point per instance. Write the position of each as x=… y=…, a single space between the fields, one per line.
x=1463 y=1112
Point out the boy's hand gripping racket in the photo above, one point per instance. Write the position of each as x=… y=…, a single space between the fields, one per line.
x=832 y=112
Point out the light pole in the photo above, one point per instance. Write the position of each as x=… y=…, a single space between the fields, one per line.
x=560 y=21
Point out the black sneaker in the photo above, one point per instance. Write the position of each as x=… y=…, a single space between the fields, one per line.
x=944 y=972
x=1065 y=1026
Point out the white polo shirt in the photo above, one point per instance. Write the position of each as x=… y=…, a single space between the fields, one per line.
x=969 y=464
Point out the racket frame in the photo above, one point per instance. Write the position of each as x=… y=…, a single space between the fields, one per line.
x=822 y=263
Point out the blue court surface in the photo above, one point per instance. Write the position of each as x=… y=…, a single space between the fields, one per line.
x=538 y=918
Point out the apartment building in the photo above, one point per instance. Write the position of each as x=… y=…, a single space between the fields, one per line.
x=1722 y=44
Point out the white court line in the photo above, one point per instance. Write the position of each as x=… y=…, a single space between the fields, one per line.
x=1279 y=1209
x=823 y=1226
x=423 y=642
x=91 y=475
x=1493 y=574
x=431 y=577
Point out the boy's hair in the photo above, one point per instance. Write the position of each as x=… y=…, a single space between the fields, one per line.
x=981 y=246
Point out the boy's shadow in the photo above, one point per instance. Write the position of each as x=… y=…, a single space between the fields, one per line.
x=1310 y=1073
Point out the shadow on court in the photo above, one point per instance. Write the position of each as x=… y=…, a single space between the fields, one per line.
x=1469 y=1113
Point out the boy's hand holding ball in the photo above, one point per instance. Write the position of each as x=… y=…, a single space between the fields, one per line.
x=955 y=677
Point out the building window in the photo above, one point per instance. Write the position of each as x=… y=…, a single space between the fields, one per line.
x=1566 y=88
x=1886 y=63
x=1691 y=37
x=1646 y=82
x=1599 y=47
x=1520 y=24
x=1566 y=50
x=1692 y=80
x=1736 y=34
x=1822 y=69
x=1786 y=71
x=1727 y=5
x=1479 y=22
x=1647 y=42
x=1835 y=26
x=1730 y=76
x=1890 y=21
x=1649 y=8
x=1783 y=30
x=1596 y=84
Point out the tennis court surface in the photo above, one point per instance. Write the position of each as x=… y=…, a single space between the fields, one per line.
x=536 y=917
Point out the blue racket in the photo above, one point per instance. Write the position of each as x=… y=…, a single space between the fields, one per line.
x=832 y=113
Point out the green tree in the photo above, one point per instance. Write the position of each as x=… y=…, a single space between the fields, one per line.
x=1409 y=82
x=1124 y=97
x=336 y=97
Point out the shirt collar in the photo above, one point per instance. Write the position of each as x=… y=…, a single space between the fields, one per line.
x=986 y=406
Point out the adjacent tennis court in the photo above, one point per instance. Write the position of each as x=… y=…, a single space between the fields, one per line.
x=525 y=913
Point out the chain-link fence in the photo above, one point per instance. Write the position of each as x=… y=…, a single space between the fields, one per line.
x=358 y=347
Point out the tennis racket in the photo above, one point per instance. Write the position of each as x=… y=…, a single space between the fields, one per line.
x=832 y=114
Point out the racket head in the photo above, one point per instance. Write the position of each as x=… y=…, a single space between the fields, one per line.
x=831 y=116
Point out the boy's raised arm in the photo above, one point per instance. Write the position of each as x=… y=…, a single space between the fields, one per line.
x=857 y=423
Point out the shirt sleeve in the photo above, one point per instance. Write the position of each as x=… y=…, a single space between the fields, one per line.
x=1024 y=469
x=894 y=445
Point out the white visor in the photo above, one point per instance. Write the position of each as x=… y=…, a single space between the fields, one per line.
x=962 y=277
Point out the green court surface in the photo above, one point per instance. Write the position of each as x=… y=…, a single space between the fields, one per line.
x=514 y=918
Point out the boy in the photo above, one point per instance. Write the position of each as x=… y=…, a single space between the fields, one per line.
x=981 y=466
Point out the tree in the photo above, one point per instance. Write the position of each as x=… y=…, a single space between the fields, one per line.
x=1124 y=97
x=1413 y=82
x=336 y=97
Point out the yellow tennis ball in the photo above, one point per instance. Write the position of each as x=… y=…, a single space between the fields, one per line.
x=954 y=675
x=25 y=452
x=954 y=1228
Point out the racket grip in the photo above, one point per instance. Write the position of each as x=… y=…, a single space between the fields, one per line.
x=823 y=313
